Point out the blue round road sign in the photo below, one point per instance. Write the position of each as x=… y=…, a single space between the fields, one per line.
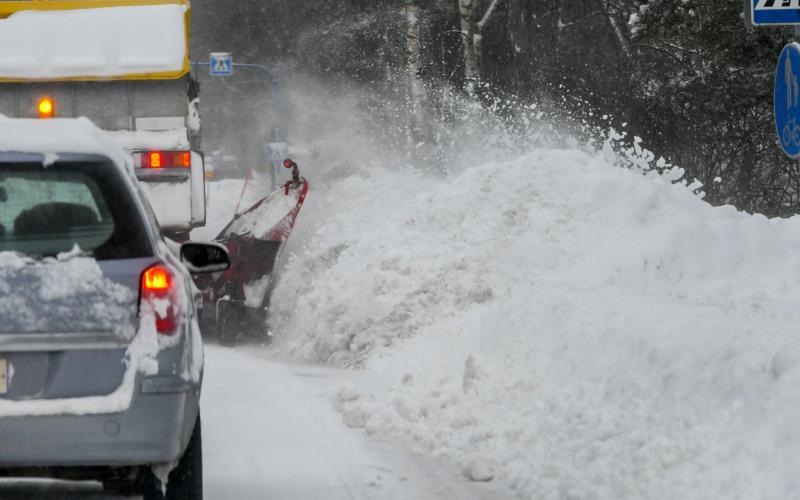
x=787 y=100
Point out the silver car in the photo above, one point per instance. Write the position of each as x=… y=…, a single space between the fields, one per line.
x=101 y=358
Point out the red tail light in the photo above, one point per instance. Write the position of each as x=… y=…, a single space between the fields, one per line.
x=166 y=159
x=158 y=288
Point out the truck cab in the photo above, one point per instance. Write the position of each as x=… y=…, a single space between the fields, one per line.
x=124 y=64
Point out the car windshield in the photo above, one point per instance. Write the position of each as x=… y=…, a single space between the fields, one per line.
x=46 y=211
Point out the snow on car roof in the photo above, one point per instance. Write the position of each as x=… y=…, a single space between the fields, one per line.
x=93 y=43
x=59 y=135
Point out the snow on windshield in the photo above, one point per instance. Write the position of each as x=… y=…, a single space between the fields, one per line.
x=105 y=42
x=62 y=296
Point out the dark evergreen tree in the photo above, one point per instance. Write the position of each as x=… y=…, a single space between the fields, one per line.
x=705 y=83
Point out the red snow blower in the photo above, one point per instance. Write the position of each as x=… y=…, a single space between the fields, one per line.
x=236 y=301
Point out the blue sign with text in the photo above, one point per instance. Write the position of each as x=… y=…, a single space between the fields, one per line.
x=787 y=100
x=775 y=12
x=221 y=64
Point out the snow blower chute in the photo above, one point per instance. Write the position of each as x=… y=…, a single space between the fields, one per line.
x=237 y=300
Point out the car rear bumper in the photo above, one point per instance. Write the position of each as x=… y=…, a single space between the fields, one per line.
x=155 y=429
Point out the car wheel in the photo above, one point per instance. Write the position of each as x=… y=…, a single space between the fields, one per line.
x=233 y=322
x=186 y=479
x=225 y=328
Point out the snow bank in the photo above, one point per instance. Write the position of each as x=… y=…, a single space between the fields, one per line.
x=571 y=328
x=107 y=42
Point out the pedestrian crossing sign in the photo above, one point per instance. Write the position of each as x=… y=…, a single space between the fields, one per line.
x=775 y=12
x=221 y=63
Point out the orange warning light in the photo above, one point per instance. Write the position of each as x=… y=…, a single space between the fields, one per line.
x=46 y=107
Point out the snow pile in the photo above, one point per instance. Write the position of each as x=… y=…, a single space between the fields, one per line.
x=70 y=295
x=573 y=329
x=107 y=42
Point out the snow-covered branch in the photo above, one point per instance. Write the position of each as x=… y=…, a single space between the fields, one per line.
x=488 y=14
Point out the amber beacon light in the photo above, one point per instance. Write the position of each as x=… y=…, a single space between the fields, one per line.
x=46 y=107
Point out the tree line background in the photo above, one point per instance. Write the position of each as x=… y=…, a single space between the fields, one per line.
x=687 y=76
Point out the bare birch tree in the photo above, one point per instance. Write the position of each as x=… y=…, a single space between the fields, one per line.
x=611 y=12
x=472 y=24
x=416 y=87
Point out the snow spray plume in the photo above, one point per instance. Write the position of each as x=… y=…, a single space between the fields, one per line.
x=350 y=127
x=350 y=132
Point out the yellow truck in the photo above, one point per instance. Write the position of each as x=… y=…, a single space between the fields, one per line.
x=124 y=64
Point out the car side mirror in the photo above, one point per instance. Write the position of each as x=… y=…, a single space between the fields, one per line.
x=205 y=257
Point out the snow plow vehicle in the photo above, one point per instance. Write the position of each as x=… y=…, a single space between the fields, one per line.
x=124 y=64
x=236 y=302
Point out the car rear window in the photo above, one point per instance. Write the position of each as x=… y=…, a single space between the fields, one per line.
x=45 y=211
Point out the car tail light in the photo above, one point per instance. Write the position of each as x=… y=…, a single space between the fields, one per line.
x=158 y=288
x=46 y=107
x=166 y=159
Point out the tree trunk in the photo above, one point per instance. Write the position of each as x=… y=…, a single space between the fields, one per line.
x=467 y=10
x=416 y=87
x=622 y=38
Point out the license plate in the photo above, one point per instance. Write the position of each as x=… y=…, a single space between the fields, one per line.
x=3 y=376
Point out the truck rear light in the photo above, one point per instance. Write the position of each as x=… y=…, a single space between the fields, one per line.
x=166 y=159
x=154 y=159
x=46 y=107
x=158 y=289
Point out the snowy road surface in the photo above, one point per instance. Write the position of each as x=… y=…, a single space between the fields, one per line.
x=270 y=432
